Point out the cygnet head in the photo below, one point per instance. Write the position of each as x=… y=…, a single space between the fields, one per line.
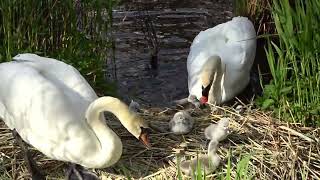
x=239 y=109
x=181 y=123
x=219 y=131
x=134 y=106
x=224 y=123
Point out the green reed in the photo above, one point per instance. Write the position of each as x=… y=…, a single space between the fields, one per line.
x=294 y=92
x=61 y=30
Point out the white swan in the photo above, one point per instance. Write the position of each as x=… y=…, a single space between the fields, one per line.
x=220 y=60
x=54 y=109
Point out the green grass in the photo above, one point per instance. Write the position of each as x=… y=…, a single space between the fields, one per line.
x=294 y=92
x=243 y=168
x=292 y=55
x=49 y=28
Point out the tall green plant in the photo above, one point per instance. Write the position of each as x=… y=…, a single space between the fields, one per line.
x=72 y=31
x=294 y=62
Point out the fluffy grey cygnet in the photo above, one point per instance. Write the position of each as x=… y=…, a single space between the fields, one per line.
x=134 y=106
x=218 y=132
x=181 y=123
x=209 y=162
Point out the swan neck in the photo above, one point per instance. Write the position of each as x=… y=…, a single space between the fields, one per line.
x=113 y=105
x=215 y=92
x=110 y=143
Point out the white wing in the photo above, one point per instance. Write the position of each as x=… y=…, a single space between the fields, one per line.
x=234 y=41
x=44 y=111
x=60 y=71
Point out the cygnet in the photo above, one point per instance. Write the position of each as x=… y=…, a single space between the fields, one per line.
x=208 y=162
x=218 y=132
x=134 y=106
x=181 y=123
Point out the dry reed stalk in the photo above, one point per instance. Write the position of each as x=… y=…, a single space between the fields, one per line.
x=278 y=150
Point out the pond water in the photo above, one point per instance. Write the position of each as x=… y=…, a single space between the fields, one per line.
x=157 y=74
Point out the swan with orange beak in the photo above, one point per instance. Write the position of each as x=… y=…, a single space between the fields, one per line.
x=220 y=61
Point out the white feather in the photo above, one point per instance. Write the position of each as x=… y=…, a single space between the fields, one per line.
x=235 y=43
x=54 y=109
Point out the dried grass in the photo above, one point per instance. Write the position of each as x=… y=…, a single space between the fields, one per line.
x=278 y=150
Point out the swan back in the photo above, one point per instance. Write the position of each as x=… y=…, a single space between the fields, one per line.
x=50 y=115
x=58 y=70
x=44 y=112
x=235 y=43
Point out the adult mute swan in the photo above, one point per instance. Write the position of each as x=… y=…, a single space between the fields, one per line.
x=220 y=60
x=52 y=107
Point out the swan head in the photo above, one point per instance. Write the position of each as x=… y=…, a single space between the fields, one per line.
x=209 y=77
x=129 y=119
x=139 y=129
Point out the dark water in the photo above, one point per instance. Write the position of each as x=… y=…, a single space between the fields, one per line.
x=175 y=23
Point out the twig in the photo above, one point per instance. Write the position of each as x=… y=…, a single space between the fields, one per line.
x=293 y=132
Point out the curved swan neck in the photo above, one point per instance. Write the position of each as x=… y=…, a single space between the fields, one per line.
x=110 y=104
x=110 y=144
x=214 y=71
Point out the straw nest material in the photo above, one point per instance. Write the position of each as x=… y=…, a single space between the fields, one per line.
x=278 y=150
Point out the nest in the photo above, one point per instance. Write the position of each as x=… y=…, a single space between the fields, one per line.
x=277 y=150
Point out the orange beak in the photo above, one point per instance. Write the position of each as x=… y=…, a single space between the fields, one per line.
x=203 y=100
x=144 y=138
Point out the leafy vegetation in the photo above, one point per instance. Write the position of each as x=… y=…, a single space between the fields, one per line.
x=294 y=92
x=292 y=55
x=73 y=31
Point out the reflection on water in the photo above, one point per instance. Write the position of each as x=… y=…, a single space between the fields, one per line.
x=176 y=23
